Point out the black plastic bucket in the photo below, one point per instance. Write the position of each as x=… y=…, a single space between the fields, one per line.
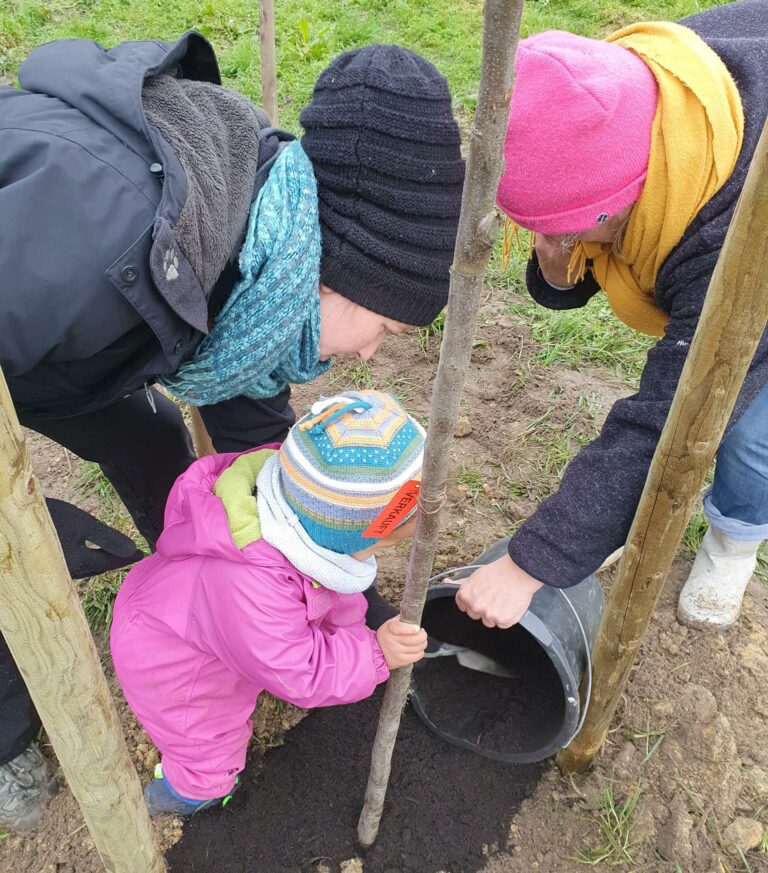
x=534 y=710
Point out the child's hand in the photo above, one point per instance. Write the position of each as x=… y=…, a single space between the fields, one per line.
x=401 y=643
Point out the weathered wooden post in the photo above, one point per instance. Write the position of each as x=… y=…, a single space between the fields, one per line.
x=268 y=58
x=731 y=324
x=46 y=631
x=200 y=437
x=478 y=229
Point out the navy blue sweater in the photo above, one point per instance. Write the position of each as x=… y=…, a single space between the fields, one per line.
x=574 y=530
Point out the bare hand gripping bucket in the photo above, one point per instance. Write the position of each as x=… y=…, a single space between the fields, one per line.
x=511 y=695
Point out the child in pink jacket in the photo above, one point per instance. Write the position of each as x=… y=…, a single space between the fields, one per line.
x=257 y=585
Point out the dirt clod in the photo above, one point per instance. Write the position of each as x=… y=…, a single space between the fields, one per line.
x=700 y=703
x=463 y=427
x=673 y=839
x=742 y=833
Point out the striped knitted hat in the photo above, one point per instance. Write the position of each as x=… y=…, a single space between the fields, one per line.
x=343 y=463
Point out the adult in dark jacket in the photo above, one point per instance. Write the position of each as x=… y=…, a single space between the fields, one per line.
x=154 y=227
x=625 y=158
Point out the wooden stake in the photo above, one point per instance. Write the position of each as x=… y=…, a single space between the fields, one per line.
x=200 y=438
x=46 y=631
x=268 y=59
x=731 y=324
x=478 y=229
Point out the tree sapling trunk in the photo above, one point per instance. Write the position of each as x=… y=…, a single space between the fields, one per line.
x=478 y=229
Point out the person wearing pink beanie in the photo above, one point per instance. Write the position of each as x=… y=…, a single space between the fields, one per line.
x=624 y=159
x=579 y=133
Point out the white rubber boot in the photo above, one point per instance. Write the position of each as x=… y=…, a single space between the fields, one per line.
x=712 y=594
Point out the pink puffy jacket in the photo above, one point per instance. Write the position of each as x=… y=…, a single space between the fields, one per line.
x=202 y=627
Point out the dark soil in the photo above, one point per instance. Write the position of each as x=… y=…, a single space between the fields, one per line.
x=446 y=808
x=690 y=732
x=499 y=715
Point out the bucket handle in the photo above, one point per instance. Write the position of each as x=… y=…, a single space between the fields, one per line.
x=588 y=693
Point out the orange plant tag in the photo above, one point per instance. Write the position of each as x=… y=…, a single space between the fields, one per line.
x=395 y=511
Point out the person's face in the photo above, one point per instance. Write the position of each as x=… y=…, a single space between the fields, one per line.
x=606 y=232
x=346 y=328
x=398 y=535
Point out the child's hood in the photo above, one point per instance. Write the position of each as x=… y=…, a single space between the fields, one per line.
x=211 y=510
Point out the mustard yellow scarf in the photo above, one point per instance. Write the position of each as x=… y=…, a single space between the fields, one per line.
x=695 y=141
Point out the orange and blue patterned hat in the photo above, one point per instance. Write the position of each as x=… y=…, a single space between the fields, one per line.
x=344 y=462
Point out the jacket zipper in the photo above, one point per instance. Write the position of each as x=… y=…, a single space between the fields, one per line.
x=150 y=398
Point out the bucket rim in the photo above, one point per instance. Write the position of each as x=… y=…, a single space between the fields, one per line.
x=573 y=708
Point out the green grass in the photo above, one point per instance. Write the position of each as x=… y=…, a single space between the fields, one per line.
x=653 y=740
x=471 y=481
x=361 y=376
x=358 y=375
x=615 y=821
x=426 y=334
x=571 y=338
x=97 y=594
x=554 y=445
x=310 y=33
x=589 y=335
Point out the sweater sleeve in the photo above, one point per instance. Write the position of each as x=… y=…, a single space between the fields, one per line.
x=255 y=620
x=575 y=529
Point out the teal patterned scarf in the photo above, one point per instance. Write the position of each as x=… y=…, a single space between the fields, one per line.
x=267 y=333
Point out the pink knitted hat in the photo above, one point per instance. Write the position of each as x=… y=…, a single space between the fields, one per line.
x=579 y=132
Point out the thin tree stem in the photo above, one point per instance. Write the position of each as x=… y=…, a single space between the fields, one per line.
x=478 y=228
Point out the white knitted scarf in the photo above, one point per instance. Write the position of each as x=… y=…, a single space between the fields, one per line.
x=281 y=528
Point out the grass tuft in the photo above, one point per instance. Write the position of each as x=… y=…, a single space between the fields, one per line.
x=357 y=375
x=361 y=376
x=615 y=821
x=471 y=481
x=426 y=334
x=97 y=597
x=589 y=335
x=97 y=594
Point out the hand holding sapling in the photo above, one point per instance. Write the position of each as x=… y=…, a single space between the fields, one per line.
x=401 y=643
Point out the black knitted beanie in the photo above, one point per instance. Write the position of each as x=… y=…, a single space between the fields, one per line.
x=385 y=149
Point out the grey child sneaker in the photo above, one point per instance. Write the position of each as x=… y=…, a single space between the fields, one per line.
x=27 y=783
